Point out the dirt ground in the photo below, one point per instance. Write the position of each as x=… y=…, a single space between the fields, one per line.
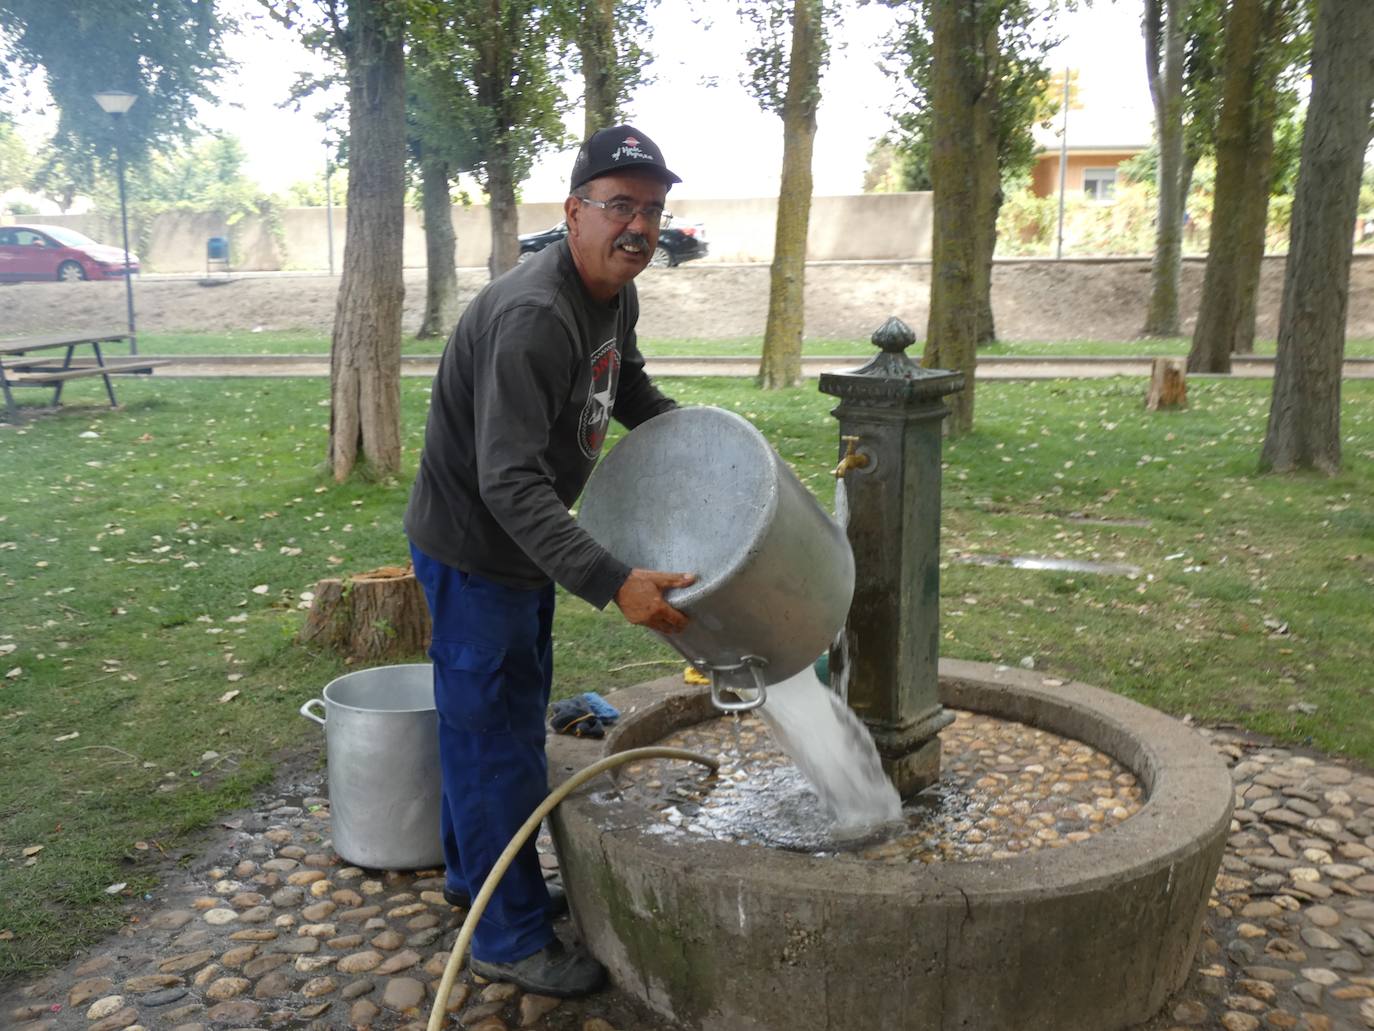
x=1032 y=300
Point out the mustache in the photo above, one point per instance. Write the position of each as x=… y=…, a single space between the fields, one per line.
x=633 y=239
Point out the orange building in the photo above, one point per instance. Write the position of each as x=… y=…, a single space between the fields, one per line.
x=1090 y=171
x=1106 y=125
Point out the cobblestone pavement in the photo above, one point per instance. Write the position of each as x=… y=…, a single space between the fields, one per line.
x=272 y=930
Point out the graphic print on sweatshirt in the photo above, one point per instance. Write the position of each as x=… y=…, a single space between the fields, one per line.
x=596 y=413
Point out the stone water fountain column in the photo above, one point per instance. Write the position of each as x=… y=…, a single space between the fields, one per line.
x=891 y=413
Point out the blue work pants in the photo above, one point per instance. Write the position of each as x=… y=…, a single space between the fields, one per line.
x=493 y=668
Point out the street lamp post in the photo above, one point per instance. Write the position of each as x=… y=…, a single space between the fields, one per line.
x=116 y=104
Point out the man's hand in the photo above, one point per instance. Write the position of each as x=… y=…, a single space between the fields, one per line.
x=641 y=599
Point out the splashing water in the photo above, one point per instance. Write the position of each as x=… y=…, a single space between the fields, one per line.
x=839 y=683
x=834 y=751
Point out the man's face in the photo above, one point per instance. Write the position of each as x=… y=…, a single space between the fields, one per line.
x=609 y=252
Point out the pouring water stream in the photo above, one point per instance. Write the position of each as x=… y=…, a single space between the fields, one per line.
x=830 y=745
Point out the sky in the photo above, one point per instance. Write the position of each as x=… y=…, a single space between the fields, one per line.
x=711 y=131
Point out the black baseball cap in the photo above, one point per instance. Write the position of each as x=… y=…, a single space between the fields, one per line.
x=617 y=148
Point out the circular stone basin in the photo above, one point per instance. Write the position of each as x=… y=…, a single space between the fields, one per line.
x=1004 y=789
x=1092 y=936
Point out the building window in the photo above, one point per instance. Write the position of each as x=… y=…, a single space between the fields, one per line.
x=1099 y=183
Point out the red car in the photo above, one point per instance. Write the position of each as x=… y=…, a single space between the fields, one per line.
x=56 y=252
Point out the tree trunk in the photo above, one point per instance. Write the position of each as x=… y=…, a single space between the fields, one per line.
x=782 y=337
x=441 y=275
x=1250 y=244
x=505 y=245
x=380 y=614
x=1305 y=415
x=365 y=355
x=1244 y=145
x=952 y=327
x=988 y=201
x=1166 y=89
x=596 y=44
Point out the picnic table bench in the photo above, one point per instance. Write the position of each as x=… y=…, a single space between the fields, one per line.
x=20 y=367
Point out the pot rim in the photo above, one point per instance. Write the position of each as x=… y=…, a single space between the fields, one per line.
x=332 y=703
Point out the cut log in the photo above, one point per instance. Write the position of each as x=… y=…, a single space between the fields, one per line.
x=380 y=614
x=1168 y=385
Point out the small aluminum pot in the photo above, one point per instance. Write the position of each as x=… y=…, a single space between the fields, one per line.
x=700 y=490
x=382 y=749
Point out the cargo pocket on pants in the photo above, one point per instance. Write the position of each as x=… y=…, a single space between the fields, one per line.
x=470 y=686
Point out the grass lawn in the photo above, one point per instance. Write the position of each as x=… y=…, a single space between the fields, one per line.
x=153 y=562
x=244 y=342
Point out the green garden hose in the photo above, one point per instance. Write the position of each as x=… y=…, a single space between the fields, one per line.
x=479 y=904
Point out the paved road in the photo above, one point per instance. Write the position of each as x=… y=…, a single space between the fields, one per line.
x=993 y=367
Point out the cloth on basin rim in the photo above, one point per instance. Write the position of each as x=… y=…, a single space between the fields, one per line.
x=603 y=710
x=574 y=716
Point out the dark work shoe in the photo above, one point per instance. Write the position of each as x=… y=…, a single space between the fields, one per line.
x=558 y=900
x=554 y=970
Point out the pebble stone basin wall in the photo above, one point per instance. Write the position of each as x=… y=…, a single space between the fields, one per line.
x=1091 y=937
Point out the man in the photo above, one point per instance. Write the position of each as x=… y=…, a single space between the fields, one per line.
x=540 y=361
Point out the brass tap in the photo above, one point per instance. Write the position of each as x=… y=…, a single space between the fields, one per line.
x=852 y=459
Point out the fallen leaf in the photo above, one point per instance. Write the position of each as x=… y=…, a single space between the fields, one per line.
x=5 y=649
x=15 y=673
x=33 y=850
x=260 y=589
x=228 y=696
x=115 y=889
x=234 y=678
x=142 y=846
x=6 y=936
x=69 y=737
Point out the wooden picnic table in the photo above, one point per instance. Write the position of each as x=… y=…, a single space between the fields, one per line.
x=20 y=368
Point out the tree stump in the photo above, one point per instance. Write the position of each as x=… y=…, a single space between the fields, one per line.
x=380 y=614
x=1168 y=385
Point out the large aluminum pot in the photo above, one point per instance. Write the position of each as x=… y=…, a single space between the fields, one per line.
x=699 y=490
x=382 y=749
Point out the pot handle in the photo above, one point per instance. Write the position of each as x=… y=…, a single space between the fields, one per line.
x=754 y=664
x=305 y=710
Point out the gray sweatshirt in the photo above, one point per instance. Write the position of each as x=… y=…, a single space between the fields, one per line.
x=525 y=391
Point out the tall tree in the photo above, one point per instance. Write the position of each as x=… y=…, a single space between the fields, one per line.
x=168 y=53
x=786 y=63
x=1010 y=56
x=441 y=245
x=1304 y=429
x=956 y=86
x=365 y=353
x=500 y=60
x=1164 y=61
x=1255 y=56
x=440 y=144
x=611 y=37
x=15 y=159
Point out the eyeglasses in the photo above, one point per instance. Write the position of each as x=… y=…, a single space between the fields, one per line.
x=624 y=212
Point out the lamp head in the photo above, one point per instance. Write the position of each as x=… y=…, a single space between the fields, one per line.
x=115 y=102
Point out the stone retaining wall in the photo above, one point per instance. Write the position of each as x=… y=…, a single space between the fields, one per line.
x=863 y=227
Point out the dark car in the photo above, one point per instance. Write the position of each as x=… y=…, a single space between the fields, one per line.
x=56 y=252
x=676 y=244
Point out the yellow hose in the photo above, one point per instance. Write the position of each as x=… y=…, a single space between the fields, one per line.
x=479 y=904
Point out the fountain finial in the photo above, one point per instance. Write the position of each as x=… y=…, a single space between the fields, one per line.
x=894 y=336
x=893 y=377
